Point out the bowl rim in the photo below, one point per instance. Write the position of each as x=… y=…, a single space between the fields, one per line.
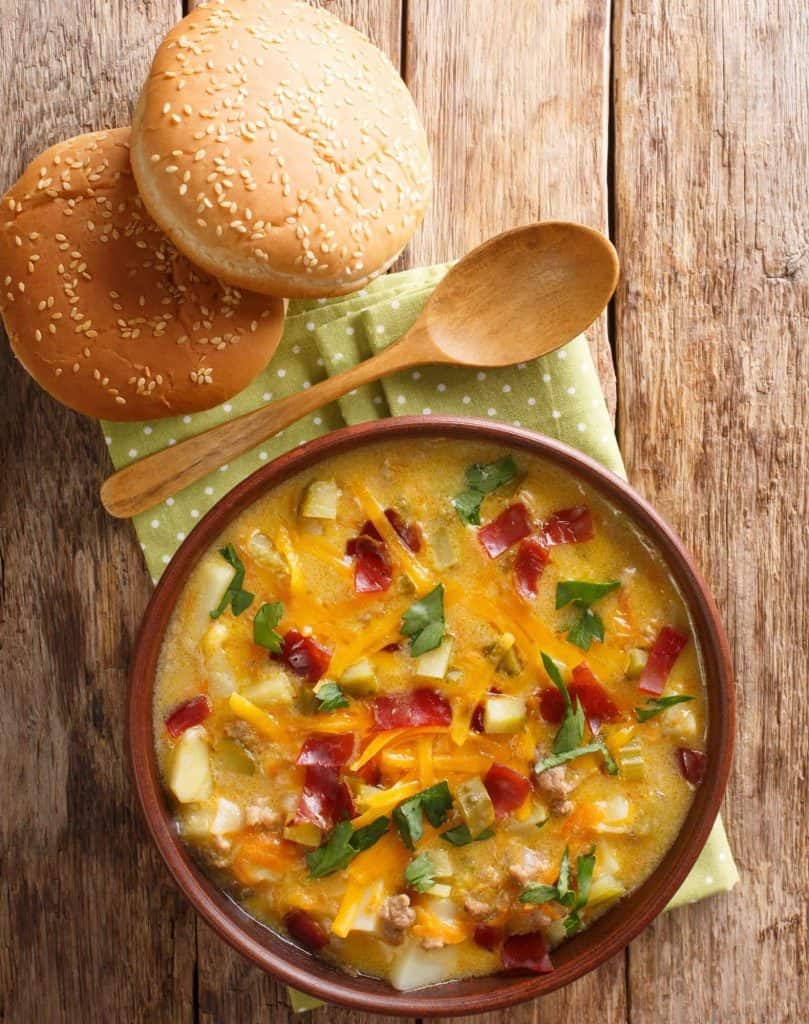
x=577 y=956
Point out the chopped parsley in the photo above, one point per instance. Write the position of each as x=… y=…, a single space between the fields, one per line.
x=596 y=747
x=482 y=479
x=423 y=622
x=582 y=594
x=461 y=836
x=420 y=873
x=330 y=697
x=235 y=596
x=654 y=705
x=571 y=731
x=573 y=900
x=434 y=802
x=264 y=632
x=343 y=845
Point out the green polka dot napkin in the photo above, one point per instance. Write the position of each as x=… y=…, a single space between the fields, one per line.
x=558 y=395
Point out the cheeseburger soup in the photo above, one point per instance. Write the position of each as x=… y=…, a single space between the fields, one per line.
x=429 y=708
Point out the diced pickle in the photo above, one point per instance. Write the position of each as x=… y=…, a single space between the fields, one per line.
x=504 y=654
x=443 y=550
x=605 y=888
x=274 y=688
x=434 y=664
x=359 y=680
x=636 y=662
x=320 y=500
x=475 y=805
x=441 y=890
x=442 y=863
x=629 y=758
x=230 y=756
x=262 y=550
x=503 y=714
x=304 y=833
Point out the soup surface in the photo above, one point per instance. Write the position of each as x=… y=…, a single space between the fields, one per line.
x=429 y=708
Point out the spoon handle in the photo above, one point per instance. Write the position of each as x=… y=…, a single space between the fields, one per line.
x=144 y=483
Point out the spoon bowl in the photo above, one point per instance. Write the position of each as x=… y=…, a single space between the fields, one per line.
x=518 y=296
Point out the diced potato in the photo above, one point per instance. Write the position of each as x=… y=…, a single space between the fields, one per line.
x=680 y=723
x=504 y=654
x=604 y=888
x=304 y=833
x=441 y=890
x=190 y=772
x=228 y=818
x=443 y=550
x=434 y=664
x=221 y=678
x=613 y=813
x=359 y=680
x=213 y=578
x=503 y=714
x=364 y=914
x=636 y=662
x=320 y=500
x=607 y=862
x=475 y=805
x=195 y=821
x=414 y=967
x=262 y=550
x=555 y=932
x=274 y=687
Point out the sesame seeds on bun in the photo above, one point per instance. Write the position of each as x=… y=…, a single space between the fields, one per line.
x=279 y=149
x=100 y=307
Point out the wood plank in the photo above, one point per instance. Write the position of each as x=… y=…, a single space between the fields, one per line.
x=516 y=103
x=230 y=991
x=92 y=931
x=516 y=112
x=712 y=160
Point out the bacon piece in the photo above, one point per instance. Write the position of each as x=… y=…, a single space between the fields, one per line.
x=532 y=557
x=551 y=705
x=329 y=750
x=304 y=929
x=568 y=526
x=303 y=656
x=692 y=764
x=507 y=789
x=597 y=704
x=373 y=571
x=409 y=534
x=528 y=952
x=501 y=533
x=370 y=773
x=476 y=725
x=325 y=799
x=192 y=712
x=665 y=651
x=367 y=530
x=487 y=936
x=403 y=710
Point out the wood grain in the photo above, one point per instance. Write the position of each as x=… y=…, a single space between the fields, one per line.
x=711 y=164
x=90 y=928
x=516 y=107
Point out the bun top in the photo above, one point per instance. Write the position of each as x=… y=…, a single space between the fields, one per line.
x=279 y=149
x=100 y=307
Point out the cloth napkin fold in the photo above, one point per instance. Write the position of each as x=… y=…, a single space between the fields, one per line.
x=558 y=395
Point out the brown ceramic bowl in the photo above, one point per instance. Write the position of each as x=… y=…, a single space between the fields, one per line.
x=575 y=957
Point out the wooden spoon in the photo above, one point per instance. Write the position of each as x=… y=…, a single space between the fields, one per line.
x=518 y=296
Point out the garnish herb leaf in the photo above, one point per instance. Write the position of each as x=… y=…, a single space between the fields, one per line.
x=264 y=633
x=585 y=865
x=461 y=836
x=408 y=822
x=571 y=731
x=582 y=593
x=482 y=479
x=436 y=802
x=574 y=900
x=330 y=697
x=235 y=596
x=654 y=705
x=589 y=627
x=420 y=873
x=343 y=845
x=423 y=622
x=597 y=747
x=539 y=894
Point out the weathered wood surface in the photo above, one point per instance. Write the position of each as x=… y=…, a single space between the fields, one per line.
x=712 y=215
x=711 y=147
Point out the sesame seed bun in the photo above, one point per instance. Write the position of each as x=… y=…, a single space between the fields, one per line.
x=99 y=306
x=279 y=149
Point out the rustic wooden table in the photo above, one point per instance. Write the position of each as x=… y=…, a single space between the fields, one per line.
x=682 y=126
